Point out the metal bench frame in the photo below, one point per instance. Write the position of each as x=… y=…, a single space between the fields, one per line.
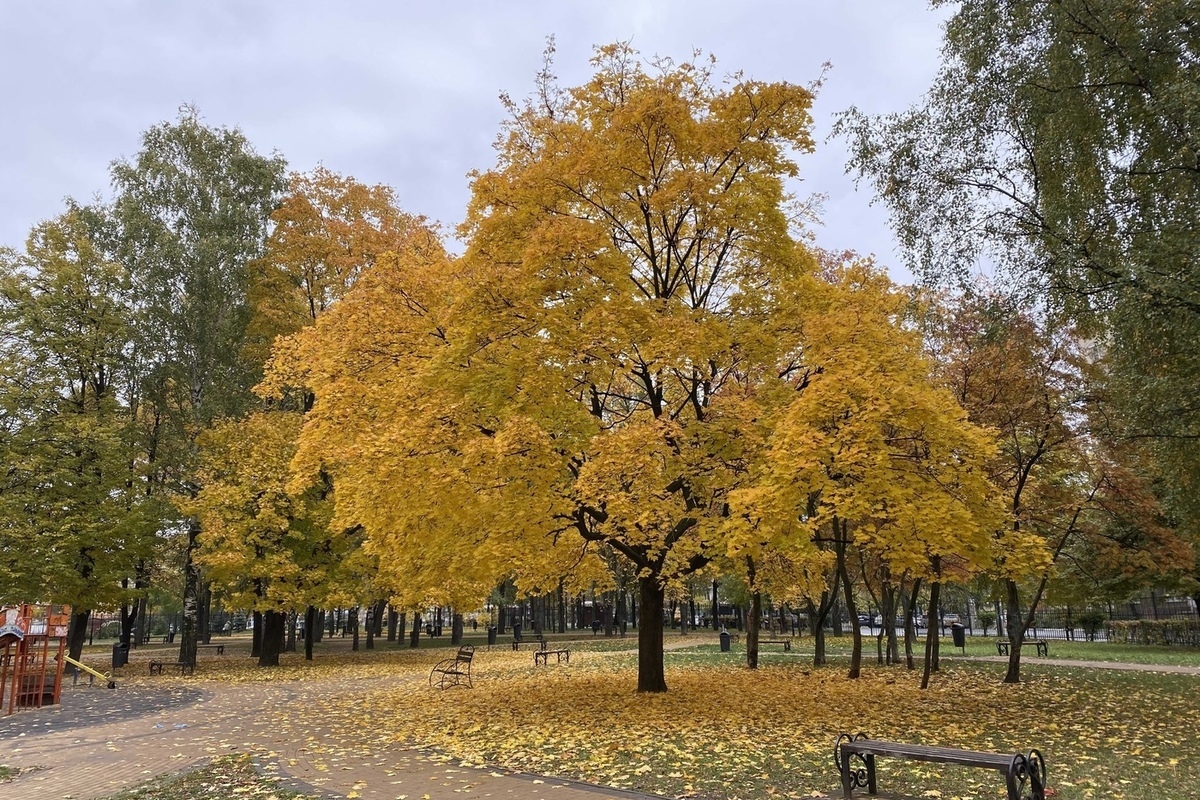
x=183 y=667
x=1043 y=647
x=787 y=643
x=854 y=755
x=455 y=671
x=543 y=656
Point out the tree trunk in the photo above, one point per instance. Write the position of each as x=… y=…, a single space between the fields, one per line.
x=290 y=645
x=203 y=634
x=752 y=629
x=353 y=620
x=271 y=644
x=651 y=674
x=931 y=634
x=310 y=631
x=716 y=609
x=393 y=620
x=851 y=609
x=191 y=596
x=414 y=639
x=77 y=632
x=371 y=629
x=816 y=626
x=1016 y=631
x=456 y=628
x=141 y=629
x=910 y=631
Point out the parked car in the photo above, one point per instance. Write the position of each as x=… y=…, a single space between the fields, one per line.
x=864 y=619
x=949 y=619
x=918 y=620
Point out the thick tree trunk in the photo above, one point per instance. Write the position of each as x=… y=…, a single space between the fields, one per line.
x=651 y=674
x=141 y=629
x=129 y=615
x=77 y=632
x=414 y=639
x=203 y=634
x=931 y=634
x=191 y=596
x=353 y=620
x=456 y=629
x=290 y=645
x=1016 y=631
x=310 y=631
x=816 y=626
x=271 y=644
x=393 y=620
x=752 y=630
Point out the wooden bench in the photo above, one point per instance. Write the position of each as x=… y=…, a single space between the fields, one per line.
x=183 y=667
x=454 y=671
x=220 y=648
x=787 y=643
x=1024 y=775
x=540 y=641
x=1043 y=647
x=542 y=656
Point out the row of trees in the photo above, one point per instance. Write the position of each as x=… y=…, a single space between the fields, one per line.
x=640 y=372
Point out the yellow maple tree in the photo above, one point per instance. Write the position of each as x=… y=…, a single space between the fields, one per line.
x=616 y=355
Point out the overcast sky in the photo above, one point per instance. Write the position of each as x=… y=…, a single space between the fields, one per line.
x=405 y=93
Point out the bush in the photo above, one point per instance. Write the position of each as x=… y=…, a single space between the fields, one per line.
x=986 y=619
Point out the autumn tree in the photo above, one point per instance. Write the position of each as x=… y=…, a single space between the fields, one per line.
x=868 y=453
x=1065 y=478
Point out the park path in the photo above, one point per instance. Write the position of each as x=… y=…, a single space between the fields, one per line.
x=98 y=742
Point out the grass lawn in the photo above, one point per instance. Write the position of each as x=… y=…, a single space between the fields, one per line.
x=725 y=732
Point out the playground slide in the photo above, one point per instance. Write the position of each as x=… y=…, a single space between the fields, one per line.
x=111 y=683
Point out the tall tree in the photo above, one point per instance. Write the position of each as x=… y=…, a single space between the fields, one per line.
x=75 y=519
x=191 y=212
x=1061 y=141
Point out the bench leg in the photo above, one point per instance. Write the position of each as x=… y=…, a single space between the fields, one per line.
x=870 y=774
x=844 y=763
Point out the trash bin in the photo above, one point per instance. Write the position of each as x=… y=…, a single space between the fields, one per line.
x=960 y=635
x=491 y=635
x=724 y=641
x=437 y=630
x=120 y=655
x=170 y=637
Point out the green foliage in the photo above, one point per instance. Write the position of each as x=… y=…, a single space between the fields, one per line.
x=74 y=520
x=1059 y=142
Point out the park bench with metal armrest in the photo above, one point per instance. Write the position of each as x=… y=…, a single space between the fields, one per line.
x=538 y=640
x=1024 y=774
x=454 y=671
x=543 y=656
x=1043 y=647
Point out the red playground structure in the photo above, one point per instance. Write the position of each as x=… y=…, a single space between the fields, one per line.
x=33 y=647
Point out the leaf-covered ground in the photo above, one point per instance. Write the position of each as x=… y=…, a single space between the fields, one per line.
x=725 y=732
x=225 y=778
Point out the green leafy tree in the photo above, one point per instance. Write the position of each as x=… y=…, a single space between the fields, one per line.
x=191 y=212
x=75 y=522
x=1059 y=141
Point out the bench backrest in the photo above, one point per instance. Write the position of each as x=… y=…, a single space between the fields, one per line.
x=465 y=653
